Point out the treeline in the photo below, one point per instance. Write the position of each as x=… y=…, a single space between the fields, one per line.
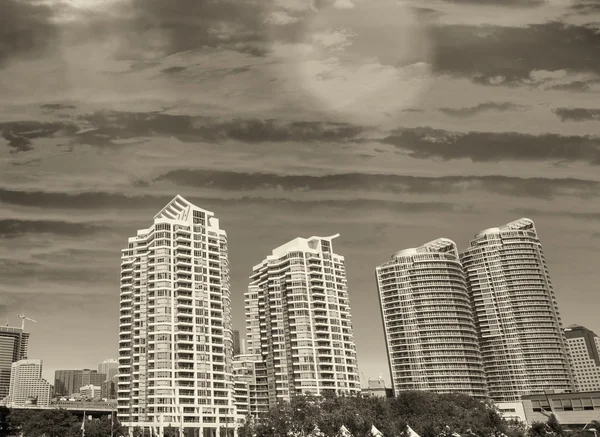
x=62 y=423
x=55 y=423
x=428 y=414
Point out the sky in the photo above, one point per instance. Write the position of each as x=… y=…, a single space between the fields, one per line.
x=390 y=122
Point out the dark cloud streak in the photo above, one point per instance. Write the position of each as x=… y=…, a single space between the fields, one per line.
x=425 y=143
x=12 y=228
x=577 y=114
x=507 y=55
x=482 y=107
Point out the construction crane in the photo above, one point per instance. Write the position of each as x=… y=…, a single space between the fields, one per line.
x=23 y=318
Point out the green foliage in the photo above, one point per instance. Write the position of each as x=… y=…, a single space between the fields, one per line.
x=516 y=428
x=138 y=432
x=429 y=414
x=45 y=423
x=171 y=432
x=5 y=428
x=552 y=428
x=102 y=428
x=57 y=423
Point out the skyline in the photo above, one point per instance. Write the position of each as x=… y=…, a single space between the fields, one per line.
x=111 y=108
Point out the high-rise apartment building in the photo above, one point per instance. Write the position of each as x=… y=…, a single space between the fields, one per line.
x=583 y=347
x=27 y=387
x=428 y=322
x=250 y=382
x=13 y=347
x=520 y=331
x=299 y=320
x=175 y=346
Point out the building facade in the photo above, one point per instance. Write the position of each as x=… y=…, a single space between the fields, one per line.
x=299 y=321
x=250 y=379
x=64 y=382
x=109 y=367
x=583 y=347
x=87 y=377
x=90 y=391
x=27 y=387
x=519 y=327
x=175 y=346
x=429 y=327
x=237 y=345
x=13 y=347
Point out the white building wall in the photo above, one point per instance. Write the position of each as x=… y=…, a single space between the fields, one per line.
x=27 y=385
x=428 y=323
x=520 y=331
x=299 y=297
x=176 y=345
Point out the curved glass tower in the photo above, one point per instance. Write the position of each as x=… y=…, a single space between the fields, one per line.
x=520 y=332
x=428 y=322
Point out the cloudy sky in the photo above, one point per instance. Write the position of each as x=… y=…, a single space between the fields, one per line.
x=392 y=122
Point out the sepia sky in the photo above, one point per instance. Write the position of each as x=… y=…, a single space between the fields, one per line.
x=392 y=122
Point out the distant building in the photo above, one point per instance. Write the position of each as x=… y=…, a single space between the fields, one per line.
x=250 y=383
x=88 y=377
x=90 y=391
x=109 y=367
x=64 y=382
x=299 y=320
x=109 y=388
x=520 y=332
x=27 y=387
x=377 y=388
x=237 y=349
x=583 y=348
x=573 y=410
x=13 y=347
x=428 y=323
x=68 y=382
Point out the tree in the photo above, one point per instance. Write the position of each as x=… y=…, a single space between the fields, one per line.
x=554 y=426
x=102 y=427
x=45 y=423
x=171 y=432
x=4 y=422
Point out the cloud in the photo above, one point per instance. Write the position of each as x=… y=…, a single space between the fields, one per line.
x=530 y=212
x=57 y=107
x=577 y=114
x=281 y=18
x=20 y=134
x=10 y=228
x=118 y=129
x=508 y=55
x=343 y=4
x=516 y=3
x=384 y=183
x=482 y=107
x=27 y=29
x=425 y=142
x=17 y=272
x=181 y=25
x=173 y=70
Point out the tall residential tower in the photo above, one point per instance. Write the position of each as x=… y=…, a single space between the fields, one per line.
x=520 y=331
x=299 y=321
x=428 y=322
x=583 y=347
x=175 y=345
x=13 y=347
